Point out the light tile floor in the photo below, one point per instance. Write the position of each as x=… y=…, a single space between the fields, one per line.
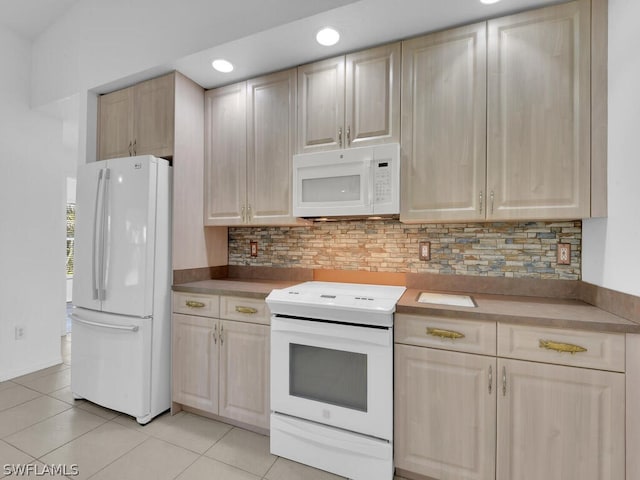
x=41 y=424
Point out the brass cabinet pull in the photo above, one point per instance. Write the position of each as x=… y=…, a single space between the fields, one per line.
x=135 y=142
x=561 y=347
x=222 y=334
x=194 y=304
x=491 y=202
x=215 y=334
x=348 y=136
x=130 y=150
x=340 y=137
x=439 y=332
x=243 y=214
x=249 y=310
x=480 y=201
x=248 y=213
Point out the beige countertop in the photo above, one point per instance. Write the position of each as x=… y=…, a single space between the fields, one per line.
x=548 y=312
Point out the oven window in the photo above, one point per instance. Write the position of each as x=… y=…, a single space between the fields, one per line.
x=331 y=189
x=330 y=376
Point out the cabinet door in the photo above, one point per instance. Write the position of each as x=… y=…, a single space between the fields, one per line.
x=444 y=126
x=244 y=372
x=153 y=117
x=539 y=114
x=321 y=106
x=225 y=187
x=560 y=423
x=271 y=127
x=115 y=124
x=195 y=362
x=445 y=413
x=372 y=103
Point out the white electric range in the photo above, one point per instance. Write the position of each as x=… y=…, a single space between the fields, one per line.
x=332 y=377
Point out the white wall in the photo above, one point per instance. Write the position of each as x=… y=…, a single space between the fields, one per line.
x=32 y=225
x=611 y=246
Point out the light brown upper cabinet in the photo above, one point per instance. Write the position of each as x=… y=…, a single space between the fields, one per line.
x=249 y=144
x=521 y=151
x=350 y=100
x=138 y=120
x=538 y=114
x=443 y=125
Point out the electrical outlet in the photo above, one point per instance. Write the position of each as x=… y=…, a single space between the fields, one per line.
x=564 y=254
x=19 y=333
x=254 y=249
x=424 y=252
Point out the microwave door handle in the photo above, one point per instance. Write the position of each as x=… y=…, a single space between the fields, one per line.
x=370 y=183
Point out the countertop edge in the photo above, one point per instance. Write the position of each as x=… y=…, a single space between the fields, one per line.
x=604 y=327
x=259 y=289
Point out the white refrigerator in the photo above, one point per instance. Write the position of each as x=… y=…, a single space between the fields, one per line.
x=120 y=348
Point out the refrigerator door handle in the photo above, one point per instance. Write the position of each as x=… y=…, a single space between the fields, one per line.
x=95 y=260
x=129 y=328
x=105 y=234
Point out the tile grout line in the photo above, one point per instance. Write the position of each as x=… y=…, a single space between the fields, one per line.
x=120 y=456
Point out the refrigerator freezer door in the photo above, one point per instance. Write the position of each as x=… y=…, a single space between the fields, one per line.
x=112 y=361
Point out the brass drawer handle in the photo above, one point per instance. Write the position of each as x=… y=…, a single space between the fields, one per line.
x=439 y=332
x=249 y=310
x=561 y=347
x=194 y=304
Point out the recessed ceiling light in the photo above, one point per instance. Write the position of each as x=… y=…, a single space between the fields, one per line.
x=222 y=65
x=489 y=2
x=327 y=36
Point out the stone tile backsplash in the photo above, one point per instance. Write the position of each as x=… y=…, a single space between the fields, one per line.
x=517 y=250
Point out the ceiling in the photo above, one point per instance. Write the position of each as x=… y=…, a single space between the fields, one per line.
x=361 y=23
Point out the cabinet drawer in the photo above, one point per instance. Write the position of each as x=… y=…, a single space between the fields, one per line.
x=446 y=333
x=244 y=309
x=604 y=351
x=196 y=304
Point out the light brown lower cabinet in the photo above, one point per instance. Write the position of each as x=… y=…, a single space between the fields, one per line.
x=464 y=416
x=445 y=413
x=221 y=366
x=560 y=423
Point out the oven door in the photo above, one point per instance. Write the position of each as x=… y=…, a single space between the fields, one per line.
x=335 y=374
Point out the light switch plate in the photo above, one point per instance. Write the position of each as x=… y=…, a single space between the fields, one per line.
x=424 y=252
x=254 y=249
x=564 y=254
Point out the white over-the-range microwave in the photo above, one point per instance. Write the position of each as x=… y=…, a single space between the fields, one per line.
x=362 y=181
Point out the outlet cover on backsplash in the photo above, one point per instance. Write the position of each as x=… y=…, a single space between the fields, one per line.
x=424 y=251
x=514 y=250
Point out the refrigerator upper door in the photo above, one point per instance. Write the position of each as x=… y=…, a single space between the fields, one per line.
x=129 y=232
x=116 y=235
x=88 y=235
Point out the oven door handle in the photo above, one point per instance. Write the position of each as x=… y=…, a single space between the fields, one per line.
x=331 y=332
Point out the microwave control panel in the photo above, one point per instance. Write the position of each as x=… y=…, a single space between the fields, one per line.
x=382 y=183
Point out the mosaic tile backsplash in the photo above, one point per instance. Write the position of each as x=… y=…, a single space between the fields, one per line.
x=516 y=250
